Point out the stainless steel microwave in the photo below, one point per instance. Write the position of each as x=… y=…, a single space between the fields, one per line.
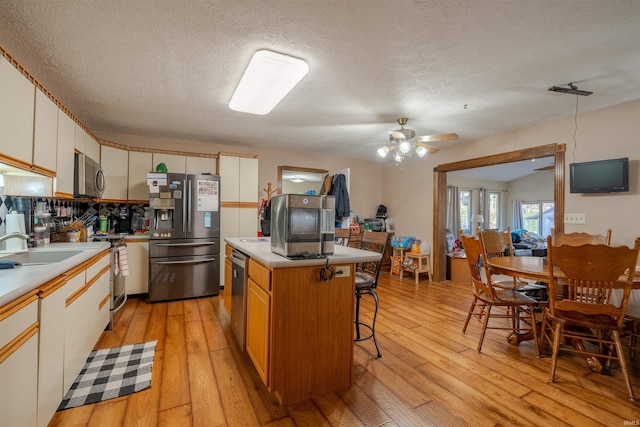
x=89 y=179
x=302 y=225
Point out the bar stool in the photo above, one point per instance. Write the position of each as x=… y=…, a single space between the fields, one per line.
x=366 y=279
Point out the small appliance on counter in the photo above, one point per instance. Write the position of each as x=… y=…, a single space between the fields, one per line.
x=302 y=226
x=123 y=221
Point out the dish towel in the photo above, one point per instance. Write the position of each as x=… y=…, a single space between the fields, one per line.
x=122 y=264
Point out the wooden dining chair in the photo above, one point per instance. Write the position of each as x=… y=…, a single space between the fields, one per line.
x=495 y=244
x=367 y=274
x=520 y=309
x=587 y=312
x=342 y=236
x=580 y=238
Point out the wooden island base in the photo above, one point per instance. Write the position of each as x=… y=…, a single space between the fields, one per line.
x=299 y=327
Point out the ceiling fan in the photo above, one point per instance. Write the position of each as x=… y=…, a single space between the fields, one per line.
x=403 y=140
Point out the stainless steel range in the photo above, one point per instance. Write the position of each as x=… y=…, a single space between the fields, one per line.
x=184 y=236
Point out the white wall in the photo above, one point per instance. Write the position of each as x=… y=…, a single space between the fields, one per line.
x=606 y=133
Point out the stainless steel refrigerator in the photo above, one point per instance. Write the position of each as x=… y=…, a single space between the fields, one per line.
x=184 y=236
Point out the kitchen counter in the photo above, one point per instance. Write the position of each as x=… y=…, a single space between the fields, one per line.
x=18 y=281
x=259 y=248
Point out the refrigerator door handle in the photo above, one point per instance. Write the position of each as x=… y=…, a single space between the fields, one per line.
x=185 y=213
x=186 y=244
x=190 y=213
x=195 y=261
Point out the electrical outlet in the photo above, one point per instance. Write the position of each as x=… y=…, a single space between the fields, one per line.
x=343 y=271
x=575 y=219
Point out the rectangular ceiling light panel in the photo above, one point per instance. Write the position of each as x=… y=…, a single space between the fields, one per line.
x=267 y=79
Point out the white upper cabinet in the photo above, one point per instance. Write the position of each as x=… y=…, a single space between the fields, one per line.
x=114 y=162
x=92 y=148
x=65 y=156
x=173 y=162
x=45 y=134
x=248 y=189
x=229 y=171
x=79 y=140
x=199 y=165
x=140 y=164
x=17 y=97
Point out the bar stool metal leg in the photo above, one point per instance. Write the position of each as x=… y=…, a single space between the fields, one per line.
x=371 y=327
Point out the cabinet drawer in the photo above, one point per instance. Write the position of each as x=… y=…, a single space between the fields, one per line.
x=97 y=265
x=16 y=317
x=260 y=274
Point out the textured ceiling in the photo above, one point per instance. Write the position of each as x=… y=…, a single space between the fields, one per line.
x=162 y=67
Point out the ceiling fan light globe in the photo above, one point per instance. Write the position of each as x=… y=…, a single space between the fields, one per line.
x=404 y=147
x=421 y=151
x=398 y=157
x=383 y=151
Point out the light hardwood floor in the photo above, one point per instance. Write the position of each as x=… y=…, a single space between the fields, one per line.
x=429 y=374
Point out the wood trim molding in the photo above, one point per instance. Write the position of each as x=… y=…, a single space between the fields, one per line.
x=229 y=154
x=43 y=171
x=15 y=344
x=61 y=195
x=18 y=304
x=114 y=144
x=440 y=192
x=51 y=286
x=95 y=278
x=241 y=205
x=140 y=240
x=15 y=162
x=104 y=301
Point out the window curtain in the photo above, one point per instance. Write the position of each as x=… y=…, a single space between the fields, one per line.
x=516 y=219
x=453 y=210
x=485 y=205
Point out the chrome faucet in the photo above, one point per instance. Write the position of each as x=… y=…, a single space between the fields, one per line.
x=14 y=236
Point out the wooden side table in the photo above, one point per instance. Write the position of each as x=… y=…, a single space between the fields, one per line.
x=422 y=263
x=458 y=269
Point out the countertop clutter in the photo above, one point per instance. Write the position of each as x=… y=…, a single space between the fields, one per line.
x=18 y=281
x=260 y=249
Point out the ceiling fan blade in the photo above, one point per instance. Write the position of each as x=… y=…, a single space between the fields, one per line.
x=397 y=135
x=430 y=148
x=545 y=168
x=439 y=137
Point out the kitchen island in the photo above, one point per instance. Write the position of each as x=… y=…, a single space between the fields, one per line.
x=299 y=318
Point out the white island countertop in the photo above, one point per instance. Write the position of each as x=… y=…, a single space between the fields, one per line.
x=17 y=281
x=259 y=248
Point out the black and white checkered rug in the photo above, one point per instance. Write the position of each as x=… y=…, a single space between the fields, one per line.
x=111 y=373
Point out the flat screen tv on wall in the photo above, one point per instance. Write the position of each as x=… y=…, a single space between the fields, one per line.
x=602 y=176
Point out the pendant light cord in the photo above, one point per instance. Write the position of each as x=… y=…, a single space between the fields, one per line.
x=575 y=130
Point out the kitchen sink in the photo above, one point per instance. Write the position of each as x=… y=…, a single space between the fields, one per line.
x=39 y=257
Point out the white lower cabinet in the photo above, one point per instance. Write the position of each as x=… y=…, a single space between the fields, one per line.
x=51 y=360
x=137 y=282
x=84 y=318
x=19 y=363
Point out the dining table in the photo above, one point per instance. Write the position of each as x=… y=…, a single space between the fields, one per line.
x=537 y=268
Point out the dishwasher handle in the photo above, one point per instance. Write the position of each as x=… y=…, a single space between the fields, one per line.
x=239 y=258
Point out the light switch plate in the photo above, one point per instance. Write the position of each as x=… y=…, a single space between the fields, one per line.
x=575 y=219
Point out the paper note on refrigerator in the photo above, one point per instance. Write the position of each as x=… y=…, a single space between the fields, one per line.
x=207 y=195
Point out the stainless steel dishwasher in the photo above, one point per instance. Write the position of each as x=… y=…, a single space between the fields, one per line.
x=239 y=264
